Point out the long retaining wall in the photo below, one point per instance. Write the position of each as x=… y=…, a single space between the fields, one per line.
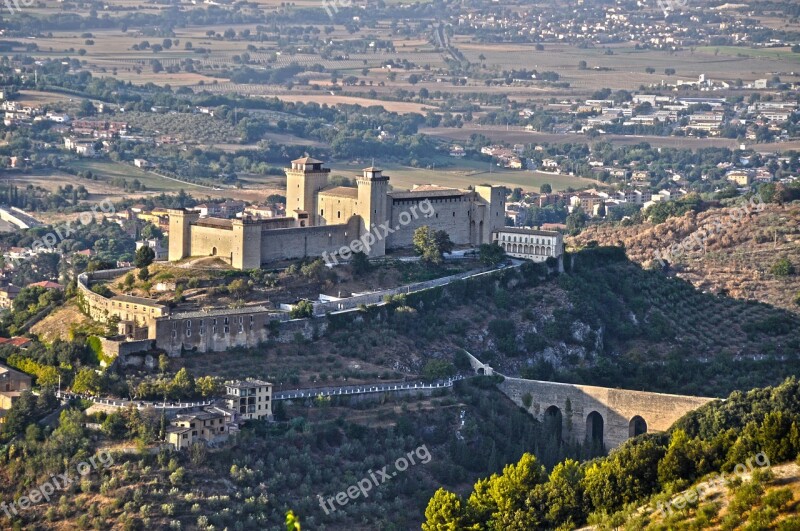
x=321 y=308
x=97 y=306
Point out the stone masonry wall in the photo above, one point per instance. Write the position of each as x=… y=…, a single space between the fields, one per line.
x=307 y=241
x=616 y=406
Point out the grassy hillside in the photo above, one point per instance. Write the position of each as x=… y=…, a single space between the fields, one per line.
x=763 y=499
x=604 y=321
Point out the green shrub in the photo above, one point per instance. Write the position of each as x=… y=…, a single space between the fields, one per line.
x=782 y=268
x=438 y=369
x=778 y=498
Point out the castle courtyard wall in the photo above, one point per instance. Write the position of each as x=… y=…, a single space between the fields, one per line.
x=102 y=309
x=451 y=214
x=300 y=242
x=335 y=210
x=205 y=239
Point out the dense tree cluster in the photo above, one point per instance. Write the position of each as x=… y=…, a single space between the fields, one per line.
x=716 y=437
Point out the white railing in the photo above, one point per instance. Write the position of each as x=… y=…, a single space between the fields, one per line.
x=280 y=395
x=139 y=404
x=363 y=389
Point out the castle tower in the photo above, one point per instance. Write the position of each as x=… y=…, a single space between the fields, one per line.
x=246 y=244
x=494 y=212
x=304 y=179
x=180 y=236
x=373 y=205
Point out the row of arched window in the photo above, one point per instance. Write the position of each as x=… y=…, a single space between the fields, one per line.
x=519 y=248
x=523 y=239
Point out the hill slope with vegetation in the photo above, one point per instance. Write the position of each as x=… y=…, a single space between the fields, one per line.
x=316 y=448
x=605 y=321
x=747 y=432
x=753 y=256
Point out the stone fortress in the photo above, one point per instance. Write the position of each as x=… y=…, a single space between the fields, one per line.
x=322 y=218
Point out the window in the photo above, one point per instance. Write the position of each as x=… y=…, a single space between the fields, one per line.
x=321 y=212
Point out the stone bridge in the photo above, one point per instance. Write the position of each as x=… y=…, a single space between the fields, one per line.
x=610 y=416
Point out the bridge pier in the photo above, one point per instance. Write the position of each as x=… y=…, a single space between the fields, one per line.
x=610 y=416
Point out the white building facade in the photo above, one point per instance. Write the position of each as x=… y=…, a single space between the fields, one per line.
x=530 y=244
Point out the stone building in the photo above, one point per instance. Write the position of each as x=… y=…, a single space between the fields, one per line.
x=249 y=399
x=12 y=384
x=135 y=314
x=213 y=330
x=209 y=426
x=7 y=295
x=530 y=244
x=13 y=380
x=321 y=218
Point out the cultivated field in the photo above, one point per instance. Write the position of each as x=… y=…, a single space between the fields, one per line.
x=463 y=174
x=517 y=135
x=625 y=69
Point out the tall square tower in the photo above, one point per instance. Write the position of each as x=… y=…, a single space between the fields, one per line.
x=373 y=204
x=304 y=179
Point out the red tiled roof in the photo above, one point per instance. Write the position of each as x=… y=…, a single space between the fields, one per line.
x=15 y=341
x=306 y=160
x=47 y=284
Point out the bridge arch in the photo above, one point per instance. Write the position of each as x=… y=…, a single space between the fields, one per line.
x=637 y=426
x=594 y=427
x=553 y=422
x=606 y=412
